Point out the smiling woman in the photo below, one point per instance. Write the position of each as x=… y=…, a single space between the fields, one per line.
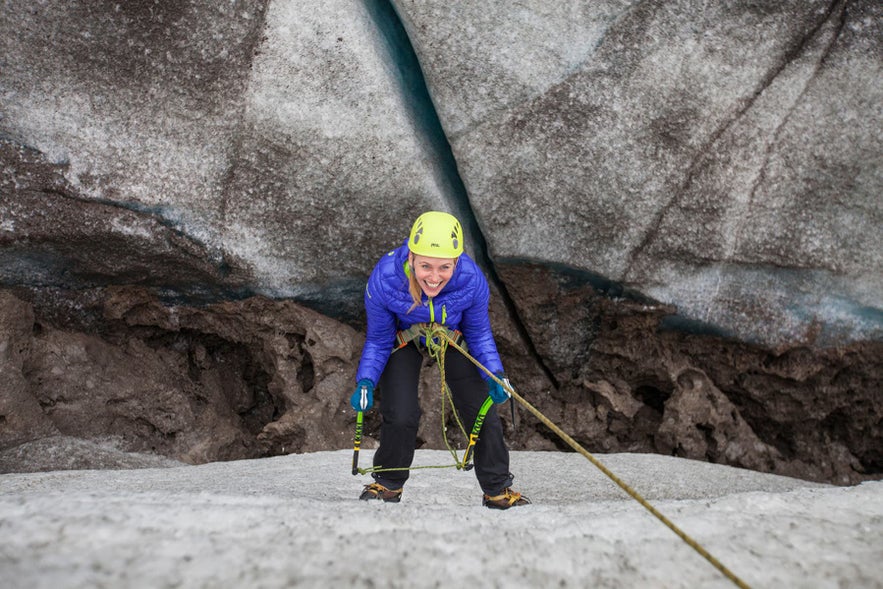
x=430 y=274
x=429 y=279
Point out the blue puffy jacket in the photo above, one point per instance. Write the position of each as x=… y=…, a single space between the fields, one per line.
x=461 y=305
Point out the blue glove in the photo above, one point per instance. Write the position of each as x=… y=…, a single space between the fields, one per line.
x=363 y=398
x=496 y=391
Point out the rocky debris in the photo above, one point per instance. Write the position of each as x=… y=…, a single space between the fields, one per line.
x=21 y=418
x=225 y=381
x=628 y=380
x=256 y=377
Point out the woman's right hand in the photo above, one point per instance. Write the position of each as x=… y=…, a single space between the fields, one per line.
x=363 y=398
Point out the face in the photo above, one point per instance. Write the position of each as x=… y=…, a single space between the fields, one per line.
x=432 y=274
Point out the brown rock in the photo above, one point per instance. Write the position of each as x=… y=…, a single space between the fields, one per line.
x=21 y=419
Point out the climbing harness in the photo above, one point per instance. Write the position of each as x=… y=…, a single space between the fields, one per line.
x=438 y=338
x=419 y=330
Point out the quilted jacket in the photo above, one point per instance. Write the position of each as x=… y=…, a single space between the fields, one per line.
x=462 y=305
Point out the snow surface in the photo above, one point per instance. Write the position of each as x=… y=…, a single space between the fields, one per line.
x=295 y=521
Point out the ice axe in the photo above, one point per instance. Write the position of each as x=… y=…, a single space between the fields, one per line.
x=357 y=439
x=357 y=442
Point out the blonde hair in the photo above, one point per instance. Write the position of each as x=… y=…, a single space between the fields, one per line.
x=414 y=288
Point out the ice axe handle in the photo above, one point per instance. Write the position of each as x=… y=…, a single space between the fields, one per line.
x=476 y=429
x=357 y=442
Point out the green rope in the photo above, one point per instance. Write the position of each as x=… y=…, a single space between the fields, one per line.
x=437 y=349
x=437 y=340
x=380 y=469
x=632 y=493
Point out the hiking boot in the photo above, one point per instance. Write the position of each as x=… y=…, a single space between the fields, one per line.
x=508 y=498
x=378 y=491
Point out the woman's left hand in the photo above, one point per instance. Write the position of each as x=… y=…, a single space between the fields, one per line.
x=497 y=391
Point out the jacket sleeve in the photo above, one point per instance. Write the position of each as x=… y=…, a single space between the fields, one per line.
x=476 y=328
x=381 y=330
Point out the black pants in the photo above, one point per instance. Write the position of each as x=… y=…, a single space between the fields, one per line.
x=400 y=412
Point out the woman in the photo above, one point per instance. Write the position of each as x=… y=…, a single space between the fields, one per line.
x=430 y=279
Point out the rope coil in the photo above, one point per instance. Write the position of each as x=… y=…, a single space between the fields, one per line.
x=437 y=339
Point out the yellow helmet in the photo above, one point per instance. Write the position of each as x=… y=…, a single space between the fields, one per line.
x=436 y=235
